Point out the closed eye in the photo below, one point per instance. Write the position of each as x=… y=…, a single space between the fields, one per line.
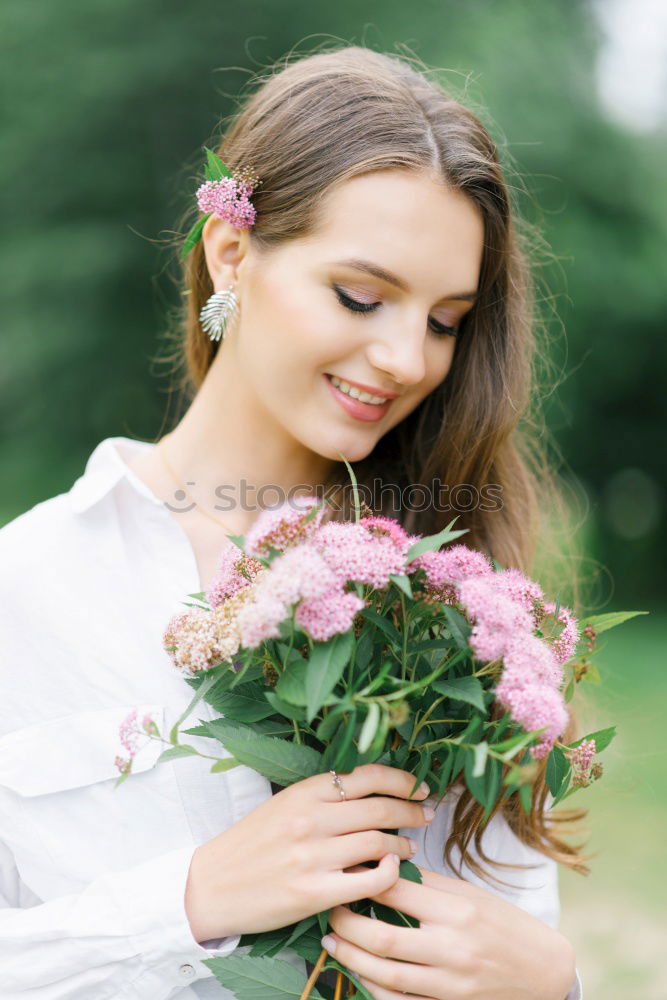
x=368 y=307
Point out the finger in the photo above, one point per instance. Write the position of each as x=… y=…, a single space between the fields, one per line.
x=409 y=944
x=344 y=887
x=381 y=993
x=457 y=886
x=366 y=779
x=377 y=812
x=370 y=845
x=428 y=905
x=403 y=977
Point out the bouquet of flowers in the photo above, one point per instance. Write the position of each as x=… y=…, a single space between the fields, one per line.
x=326 y=645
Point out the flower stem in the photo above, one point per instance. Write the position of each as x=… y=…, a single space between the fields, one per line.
x=317 y=968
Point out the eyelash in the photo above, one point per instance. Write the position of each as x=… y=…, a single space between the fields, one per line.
x=364 y=308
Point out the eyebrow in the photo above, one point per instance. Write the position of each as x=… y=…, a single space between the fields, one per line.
x=392 y=279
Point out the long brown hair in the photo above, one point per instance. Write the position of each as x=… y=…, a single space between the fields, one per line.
x=311 y=123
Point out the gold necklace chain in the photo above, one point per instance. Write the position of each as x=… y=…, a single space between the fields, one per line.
x=190 y=497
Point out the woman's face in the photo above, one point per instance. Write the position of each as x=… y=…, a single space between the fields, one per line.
x=309 y=313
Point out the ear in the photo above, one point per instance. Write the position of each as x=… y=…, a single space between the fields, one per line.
x=224 y=249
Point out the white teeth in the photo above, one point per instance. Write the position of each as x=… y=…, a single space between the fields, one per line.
x=363 y=397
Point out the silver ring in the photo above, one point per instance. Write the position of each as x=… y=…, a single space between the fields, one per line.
x=338 y=783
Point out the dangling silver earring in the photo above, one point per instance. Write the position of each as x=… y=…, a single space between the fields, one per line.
x=216 y=314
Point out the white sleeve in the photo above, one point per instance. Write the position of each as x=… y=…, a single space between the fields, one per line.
x=576 y=990
x=126 y=936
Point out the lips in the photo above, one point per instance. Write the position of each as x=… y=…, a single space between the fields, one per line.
x=368 y=412
x=370 y=389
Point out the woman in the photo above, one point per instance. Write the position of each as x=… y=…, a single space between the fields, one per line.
x=382 y=257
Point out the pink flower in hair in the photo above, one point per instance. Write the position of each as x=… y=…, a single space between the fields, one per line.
x=227 y=198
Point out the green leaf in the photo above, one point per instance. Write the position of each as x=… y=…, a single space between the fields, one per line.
x=445 y=771
x=476 y=783
x=422 y=769
x=355 y=488
x=301 y=928
x=292 y=684
x=481 y=753
x=369 y=727
x=383 y=624
x=278 y=760
x=224 y=764
x=323 y=920
x=557 y=771
x=457 y=625
x=526 y=797
x=603 y=622
x=602 y=738
x=247 y=703
x=296 y=712
x=409 y=871
x=325 y=668
x=511 y=746
x=430 y=543
x=259 y=978
x=392 y=916
x=215 y=169
x=467 y=688
x=193 y=236
x=344 y=741
x=330 y=723
x=494 y=776
x=403 y=583
x=182 y=750
x=205 y=686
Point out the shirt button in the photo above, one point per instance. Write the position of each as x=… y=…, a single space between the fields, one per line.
x=187 y=971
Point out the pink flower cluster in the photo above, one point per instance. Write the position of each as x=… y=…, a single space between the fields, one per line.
x=310 y=577
x=228 y=198
x=581 y=761
x=129 y=736
x=504 y=609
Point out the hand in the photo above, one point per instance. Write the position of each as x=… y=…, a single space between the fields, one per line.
x=470 y=943
x=286 y=859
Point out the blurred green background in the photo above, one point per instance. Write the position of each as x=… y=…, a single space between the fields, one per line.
x=108 y=105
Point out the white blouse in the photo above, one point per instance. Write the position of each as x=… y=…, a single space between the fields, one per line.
x=92 y=877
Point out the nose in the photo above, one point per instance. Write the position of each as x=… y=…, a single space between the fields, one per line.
x=399 y=351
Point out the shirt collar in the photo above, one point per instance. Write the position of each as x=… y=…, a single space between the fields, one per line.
x=106 y=466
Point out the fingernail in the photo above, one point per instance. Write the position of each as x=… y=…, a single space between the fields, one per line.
x=414 y=847
x=424 y=789
x=396 y=859
x=428 y=813
x=329 y=943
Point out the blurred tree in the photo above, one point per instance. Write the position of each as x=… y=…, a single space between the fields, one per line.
x=107 y=114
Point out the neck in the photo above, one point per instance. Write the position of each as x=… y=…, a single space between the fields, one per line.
x=227 y=442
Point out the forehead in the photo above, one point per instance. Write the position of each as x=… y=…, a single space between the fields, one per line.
x=407 y=222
